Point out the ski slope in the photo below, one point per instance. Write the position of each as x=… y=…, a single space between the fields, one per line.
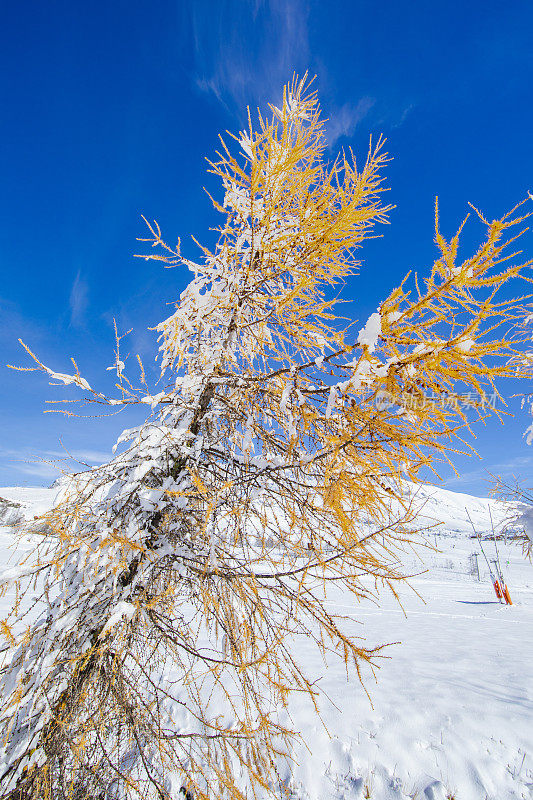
x=450 y=710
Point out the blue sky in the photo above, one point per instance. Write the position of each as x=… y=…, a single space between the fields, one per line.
x=109 y=109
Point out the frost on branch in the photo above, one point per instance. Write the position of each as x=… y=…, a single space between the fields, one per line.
x=172 y=582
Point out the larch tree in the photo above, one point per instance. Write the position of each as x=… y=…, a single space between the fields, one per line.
x=152 y=641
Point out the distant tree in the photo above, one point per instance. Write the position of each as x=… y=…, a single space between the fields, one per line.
x=518 y=522
x=519 y=518
x=154 y=636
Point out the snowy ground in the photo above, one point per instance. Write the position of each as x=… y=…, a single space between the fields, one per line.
x=452 y=709
x=453 y=703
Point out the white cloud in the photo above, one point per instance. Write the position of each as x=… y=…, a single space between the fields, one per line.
x=38 y=465
x=506 y=469
x=37 y=470
x=78 y=301
x=47 y=464
x=344 y=120
x=245 y=53
x=404 y=114
x=91 y=456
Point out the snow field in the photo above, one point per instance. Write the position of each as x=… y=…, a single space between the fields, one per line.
x=450 y=713
x=452 y=707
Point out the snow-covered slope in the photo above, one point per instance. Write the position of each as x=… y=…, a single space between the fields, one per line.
x=451 y=510
x=450 y=713
x=436 y=506
x=18 y=503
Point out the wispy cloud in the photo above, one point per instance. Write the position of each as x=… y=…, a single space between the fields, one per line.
x=37 y=470
x=344 y=120
x=403 y=115
x=48 y=464
x=506 y=469
x=246 y=57
x=38 y=465
x=91 y=456
x=78 y=301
